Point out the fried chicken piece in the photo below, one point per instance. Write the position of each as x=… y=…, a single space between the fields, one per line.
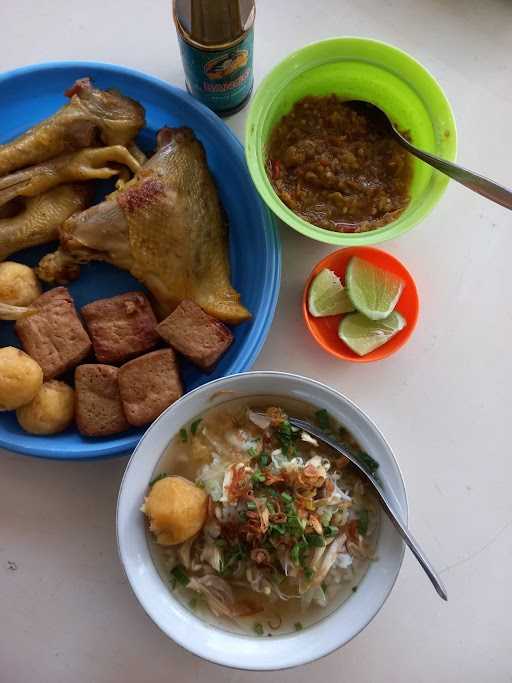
x=87 y=164
x=41 y=218
x=166 y=227
x=91 y=116
x=124 y=174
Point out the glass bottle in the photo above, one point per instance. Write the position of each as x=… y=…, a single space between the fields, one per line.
x=216 y=45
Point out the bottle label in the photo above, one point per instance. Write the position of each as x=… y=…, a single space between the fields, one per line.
x=221 y=80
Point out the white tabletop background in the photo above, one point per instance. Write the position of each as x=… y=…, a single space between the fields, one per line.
x=67 y=613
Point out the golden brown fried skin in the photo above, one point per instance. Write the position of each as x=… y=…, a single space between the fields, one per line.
x=20 y=378
x=40 y=220
x=166 y=227
x=87 y=164
x=176 y=509
x=91 y=116
x=19 y=285
x=50 y=411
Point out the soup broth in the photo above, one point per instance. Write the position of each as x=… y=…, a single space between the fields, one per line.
x=224 y=437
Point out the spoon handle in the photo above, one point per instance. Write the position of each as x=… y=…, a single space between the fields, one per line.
x=388 y=508
x=477 y=183
x=414 y=546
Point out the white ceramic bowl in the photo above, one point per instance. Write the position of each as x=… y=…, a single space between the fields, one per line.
x=184 y=627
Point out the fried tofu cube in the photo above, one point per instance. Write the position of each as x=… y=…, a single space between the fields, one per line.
x=98 y=407
x=149 y=384
x=54 y=336
x=196 y=334
x=121 y=327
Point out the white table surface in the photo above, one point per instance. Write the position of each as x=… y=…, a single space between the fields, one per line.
x=67 y=613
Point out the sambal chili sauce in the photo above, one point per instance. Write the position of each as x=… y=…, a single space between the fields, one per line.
x=334 y=166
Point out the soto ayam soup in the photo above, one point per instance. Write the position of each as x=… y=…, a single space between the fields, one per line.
x=256 y=525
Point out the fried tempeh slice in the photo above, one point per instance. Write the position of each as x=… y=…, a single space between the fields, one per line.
x=54 y=335
x=91 y=116
x=86 y=164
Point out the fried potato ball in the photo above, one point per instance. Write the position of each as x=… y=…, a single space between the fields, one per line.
x=19 y=285
x=50 y=411
x=20 y=378
x=176 y=509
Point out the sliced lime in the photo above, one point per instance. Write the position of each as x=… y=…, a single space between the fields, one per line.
x=327 y=296
x=363 y=335
x=374 y=292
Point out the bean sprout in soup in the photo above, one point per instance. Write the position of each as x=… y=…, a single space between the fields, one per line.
x=255 y=525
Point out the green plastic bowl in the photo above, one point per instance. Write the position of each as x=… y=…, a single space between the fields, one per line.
x=356 y=69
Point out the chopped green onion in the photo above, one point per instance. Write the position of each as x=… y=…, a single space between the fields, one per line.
x=252 y=452
x=195 y=425
x=367 y=462
x=264 y=459
x=258 y=477
x=271 y=508
x=331 y=530
x=308 y=573
x=183 y=435
x=179 y=575
x=315 y=540
x=251 y=505
x=323 y=420
x=232 y=555
x=162 y=475
x=258 y=629
x=287 y=437
x=294 y=524
x=362 y=522
x=295 y=553
x=278 y=528
x=298 y=626
x=286 y=497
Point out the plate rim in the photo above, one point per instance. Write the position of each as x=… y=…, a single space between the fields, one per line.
x=272 y=283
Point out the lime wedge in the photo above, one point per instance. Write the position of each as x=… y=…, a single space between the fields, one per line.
x=374 y=292
x=327 y=296
x=363 y=335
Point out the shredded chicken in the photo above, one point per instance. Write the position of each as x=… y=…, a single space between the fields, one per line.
x=283 y=521
x=329 y=559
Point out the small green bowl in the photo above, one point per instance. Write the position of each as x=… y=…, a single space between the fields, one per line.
x=356 y=69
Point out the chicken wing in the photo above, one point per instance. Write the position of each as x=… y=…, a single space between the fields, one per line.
x=91 y=116
x=166 y=227
x=41 y=218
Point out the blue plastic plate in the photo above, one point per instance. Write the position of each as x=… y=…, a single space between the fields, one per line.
x=30 y=94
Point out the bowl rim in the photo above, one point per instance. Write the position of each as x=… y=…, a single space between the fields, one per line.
x=412 y=321
x=120 y=445
x=229 y=659
x=272 y=200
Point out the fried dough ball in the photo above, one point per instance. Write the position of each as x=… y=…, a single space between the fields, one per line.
x=50 y=411
x=176 y=509
x=20 y=378
x=19 y=285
